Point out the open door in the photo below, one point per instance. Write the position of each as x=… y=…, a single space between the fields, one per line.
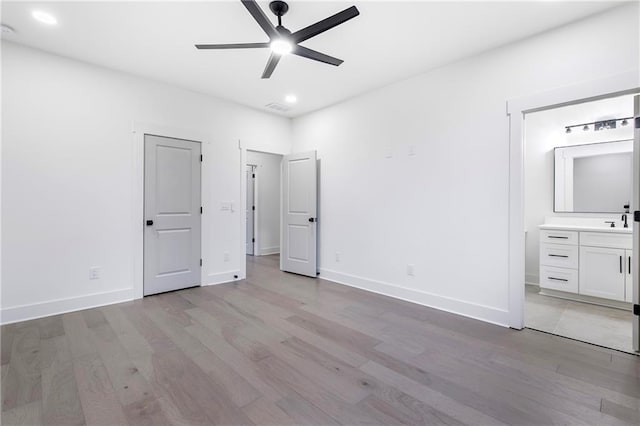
x=299 y=214
x=636 y=224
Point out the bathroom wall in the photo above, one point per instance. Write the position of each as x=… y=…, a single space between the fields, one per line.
x=545 y=130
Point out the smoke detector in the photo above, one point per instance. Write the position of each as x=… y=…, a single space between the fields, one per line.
x=6 y=29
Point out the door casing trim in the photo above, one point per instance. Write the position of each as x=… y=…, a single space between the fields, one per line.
x=139 y=130
x=620 y=84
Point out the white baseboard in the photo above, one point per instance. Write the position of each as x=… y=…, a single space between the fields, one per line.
x=61 y=306
x=455 y=306
x=222 y=277
x=625 y=306
x=269 y=250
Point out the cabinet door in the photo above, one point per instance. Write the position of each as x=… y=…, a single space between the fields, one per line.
x=602 y=272
x=628 y=280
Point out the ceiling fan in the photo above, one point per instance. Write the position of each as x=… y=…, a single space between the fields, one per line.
x=281 y=40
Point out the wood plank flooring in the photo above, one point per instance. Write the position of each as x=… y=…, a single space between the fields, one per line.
x=281 y=349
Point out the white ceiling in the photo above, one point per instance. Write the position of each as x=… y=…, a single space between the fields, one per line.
x=388 y=42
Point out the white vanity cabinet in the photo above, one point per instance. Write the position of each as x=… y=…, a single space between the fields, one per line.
x=602 y=272
x=587 y=262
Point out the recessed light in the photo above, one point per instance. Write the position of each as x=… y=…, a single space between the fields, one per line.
x=44 y=17
x=292 y=99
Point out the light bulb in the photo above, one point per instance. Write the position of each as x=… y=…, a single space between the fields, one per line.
x=568 y=130
x=585 y=128
x=624 y=122
x=281 y=46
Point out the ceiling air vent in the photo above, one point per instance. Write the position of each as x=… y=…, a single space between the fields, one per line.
x=277 y=107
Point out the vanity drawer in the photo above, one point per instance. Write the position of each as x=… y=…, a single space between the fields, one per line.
x=559 y=237
x=606 y=239
x=559 y=279
x=559 y=255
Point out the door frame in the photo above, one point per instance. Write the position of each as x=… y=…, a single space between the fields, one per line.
x=244 y=147
x=615 y=85
x=255 y=212
x=139 y=129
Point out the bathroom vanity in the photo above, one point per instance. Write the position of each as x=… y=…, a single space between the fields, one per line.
x=586 y=259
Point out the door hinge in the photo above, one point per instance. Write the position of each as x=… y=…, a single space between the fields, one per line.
x=201 y=158
x=636 y=216
x=253 y=240
x=636 y=310
x=253 y=175
x=637 y=123
x=200 y=262
x=201 y=210
x=253 y=208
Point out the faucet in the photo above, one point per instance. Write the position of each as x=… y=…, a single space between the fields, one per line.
x=613 y=224
x=624 y=218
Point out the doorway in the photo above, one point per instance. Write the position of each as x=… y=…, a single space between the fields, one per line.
x=263 y=176
x=578 y=193
x=172 y=209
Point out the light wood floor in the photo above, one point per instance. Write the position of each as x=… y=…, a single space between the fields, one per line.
x=280 y=349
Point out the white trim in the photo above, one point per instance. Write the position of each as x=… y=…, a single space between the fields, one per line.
x=455 y=306
x=269 y=250
x=61 y=306
x=242 y=274
x=221 y=278
x=622 y=83
x=139 y=129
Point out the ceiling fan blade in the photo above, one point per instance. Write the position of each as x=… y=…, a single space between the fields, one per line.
x=260 y=18
x=324 y=25
x=316 y=56
x=232 y=46
x=271 y=65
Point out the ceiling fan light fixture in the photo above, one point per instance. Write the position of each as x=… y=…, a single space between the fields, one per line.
x=281 y=46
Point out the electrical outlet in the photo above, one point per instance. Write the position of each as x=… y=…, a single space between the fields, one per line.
x=94 y=273
x=337 y=256
x=226 y=256
x=410 y=270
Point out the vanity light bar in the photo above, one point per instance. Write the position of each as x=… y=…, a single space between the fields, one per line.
x=600 y=125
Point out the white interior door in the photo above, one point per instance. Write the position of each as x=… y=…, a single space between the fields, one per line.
x=172 y=214
x=299 y=214
x=251 y=208
x=636 y=224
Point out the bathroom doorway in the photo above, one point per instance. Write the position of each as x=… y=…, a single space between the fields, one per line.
x=578 y=193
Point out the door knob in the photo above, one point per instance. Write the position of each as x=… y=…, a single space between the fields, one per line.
x=312 y=219
x=149 y=222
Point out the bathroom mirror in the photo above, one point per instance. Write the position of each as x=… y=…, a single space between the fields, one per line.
x=593 y=178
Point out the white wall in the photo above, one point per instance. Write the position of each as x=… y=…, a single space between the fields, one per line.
x=545 y=130
x=443 y=209
x=268 y=201
x=68 y=184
